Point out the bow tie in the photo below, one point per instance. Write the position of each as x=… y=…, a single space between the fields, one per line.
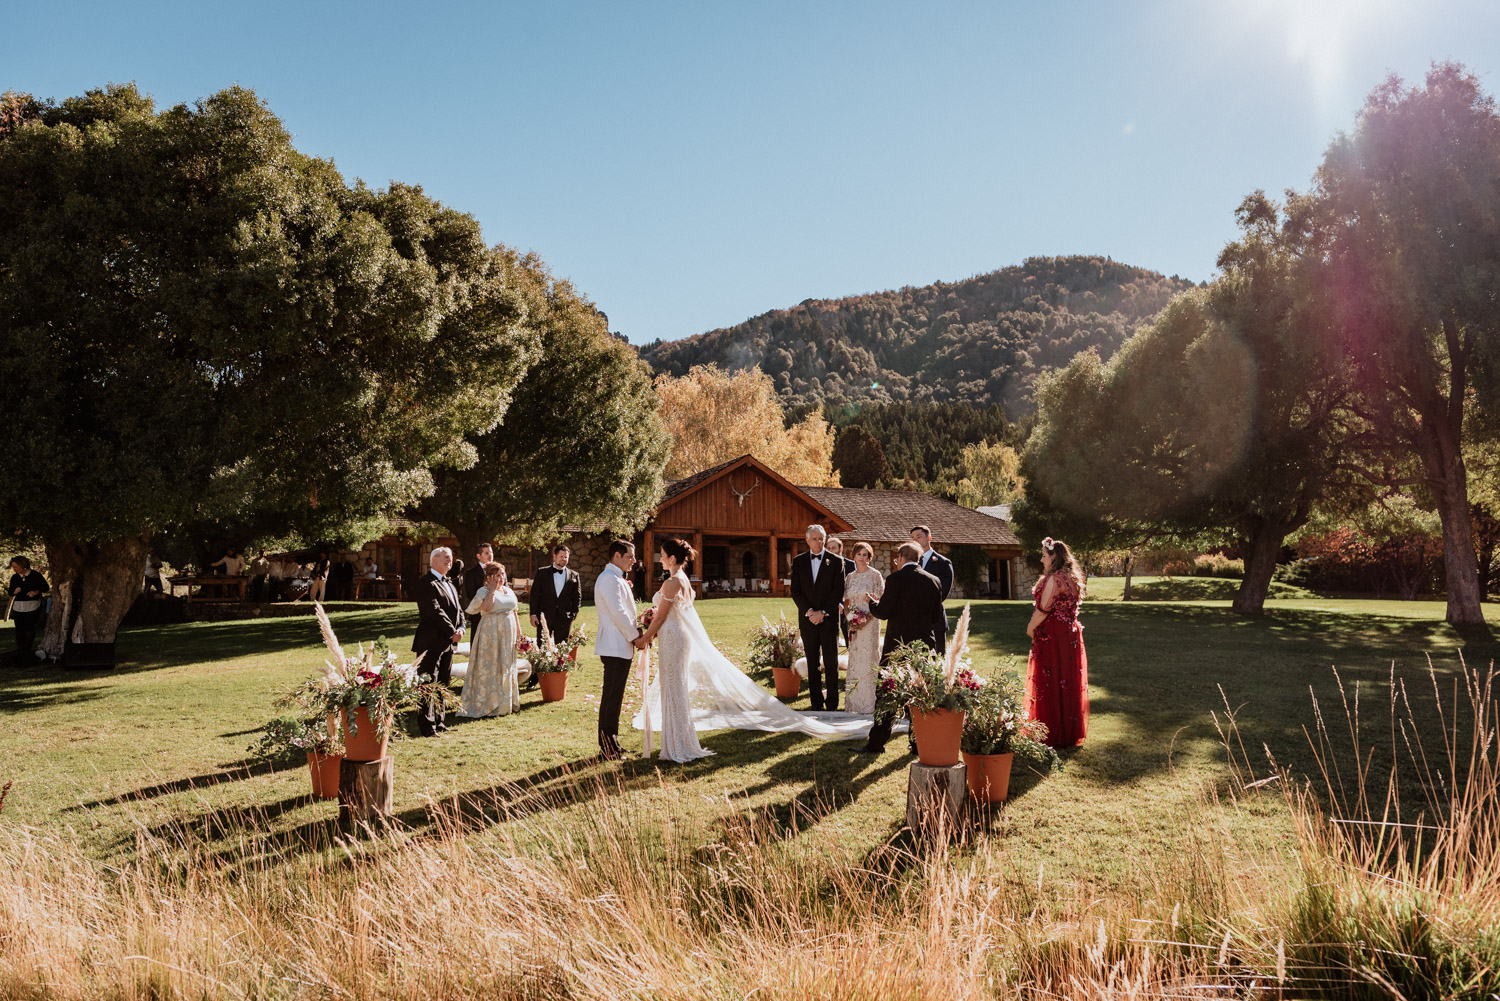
x=817 y=558
x=558 y=569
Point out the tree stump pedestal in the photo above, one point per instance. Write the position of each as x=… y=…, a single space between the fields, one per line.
x=935 y=797
x=366 y=792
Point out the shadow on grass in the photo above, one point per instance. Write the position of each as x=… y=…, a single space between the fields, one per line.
x=235 y=771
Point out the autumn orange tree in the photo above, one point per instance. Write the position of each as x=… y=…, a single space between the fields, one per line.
x=714 y=416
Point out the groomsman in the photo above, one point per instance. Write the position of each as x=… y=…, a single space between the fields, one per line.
x=836 y=547
x=439 y=628
x=818 y=591
x=474 y=580
x=940 y=567
x=912 y=605
x=557 y=595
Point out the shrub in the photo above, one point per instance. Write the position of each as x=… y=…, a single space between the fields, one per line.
x=1218 y=565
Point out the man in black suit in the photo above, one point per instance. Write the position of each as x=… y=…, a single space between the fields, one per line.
x=911 y=605
x=439 y=627
x=474 y=580
x=818 y=591
x=557 y=595
x=836 y=547
x=940 y=567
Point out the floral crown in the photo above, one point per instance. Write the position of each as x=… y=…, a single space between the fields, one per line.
x=1049 y=544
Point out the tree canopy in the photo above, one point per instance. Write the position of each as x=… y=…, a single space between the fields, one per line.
x=207 y=323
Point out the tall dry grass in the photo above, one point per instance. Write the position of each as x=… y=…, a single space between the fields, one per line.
x=629 y=902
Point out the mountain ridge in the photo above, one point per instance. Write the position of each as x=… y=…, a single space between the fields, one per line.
x=980 y=340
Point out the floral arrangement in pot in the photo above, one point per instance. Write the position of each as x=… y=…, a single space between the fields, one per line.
x=937 y=689
x=774 y=646
x=552 y=661
x=315 y=737
x=367 y=691
x=996 y=729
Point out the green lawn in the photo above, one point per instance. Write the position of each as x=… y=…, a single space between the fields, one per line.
x=159 y=743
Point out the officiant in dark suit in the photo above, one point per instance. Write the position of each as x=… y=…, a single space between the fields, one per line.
x=940 y=567
x=818 y=592
x=912 y=606
x=557 y=595
x=439 y=628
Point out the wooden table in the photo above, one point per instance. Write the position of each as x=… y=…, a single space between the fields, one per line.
x=390 y=584
x=211 y=588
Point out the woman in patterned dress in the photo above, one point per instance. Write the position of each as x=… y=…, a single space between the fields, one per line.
x=1057 y=672
x=490 y=686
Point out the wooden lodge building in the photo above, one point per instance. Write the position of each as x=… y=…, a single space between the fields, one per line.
x=747 y=522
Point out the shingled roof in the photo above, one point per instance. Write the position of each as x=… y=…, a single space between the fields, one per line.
x=888 y=515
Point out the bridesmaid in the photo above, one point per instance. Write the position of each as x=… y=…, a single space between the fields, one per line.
x=864 y=643
x=490 y=686
x=1057 y=672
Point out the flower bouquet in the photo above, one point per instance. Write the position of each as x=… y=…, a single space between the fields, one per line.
x=643 y=621
x=937 y=689
x=774 y=647
x=558 y=656
x=858 y=619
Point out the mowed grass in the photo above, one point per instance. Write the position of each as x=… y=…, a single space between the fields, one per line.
x=158 y=745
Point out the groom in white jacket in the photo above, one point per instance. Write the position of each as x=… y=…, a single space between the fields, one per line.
x=615 y=602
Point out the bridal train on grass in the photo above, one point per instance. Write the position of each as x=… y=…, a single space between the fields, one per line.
x=695 y=687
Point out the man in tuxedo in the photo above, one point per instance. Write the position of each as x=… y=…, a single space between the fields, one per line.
x=557 y=595
x=912 y=606
x=614 y=599
x=474 y=580
x=439 y=628
x=836 y=547
x=818 y=591
x=940 y=567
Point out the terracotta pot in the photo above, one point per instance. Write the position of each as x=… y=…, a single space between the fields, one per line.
x=554 y=686
x=938 y=735
x=788 y=682
x=366 y=746
x=325 y=774
x=573 y=655
x=989 y=776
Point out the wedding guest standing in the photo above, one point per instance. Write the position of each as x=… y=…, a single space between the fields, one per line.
x=439 y=628
x=490 y=687
x=473 y=580
x=836 y=547
x=232 y=562
x=940 y=567
x=1057 y=672
x=818 y=592
x=319 y=587
x=260 y=567
x=864 y=583
x=153 y=575
x=275 y=578
x=556 y=594
x=614 y=599
x=28 y=591
x=343 y=579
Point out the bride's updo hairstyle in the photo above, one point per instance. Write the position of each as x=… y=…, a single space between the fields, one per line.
x=678 y=549
x=1063 y=561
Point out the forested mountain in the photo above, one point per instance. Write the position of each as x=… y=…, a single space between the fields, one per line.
x=979 y=341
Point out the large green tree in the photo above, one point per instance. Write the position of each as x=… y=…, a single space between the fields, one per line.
x=1409 y=218
x=581 y=444
x=197 y=320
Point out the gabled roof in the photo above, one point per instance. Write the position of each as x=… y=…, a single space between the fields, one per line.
x=678 y=489
x=888 y=516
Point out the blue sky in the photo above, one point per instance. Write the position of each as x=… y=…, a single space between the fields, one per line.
x=688 y=166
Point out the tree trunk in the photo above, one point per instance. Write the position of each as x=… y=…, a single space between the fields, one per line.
x=1261 y=549
x=1129 y=563
x=469 y=537
x=97 y=581
x=1445 y=466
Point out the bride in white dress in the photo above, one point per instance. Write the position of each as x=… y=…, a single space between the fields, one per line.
x=697 y=688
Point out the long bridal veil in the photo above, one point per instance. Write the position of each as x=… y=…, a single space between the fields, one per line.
x=724 y=697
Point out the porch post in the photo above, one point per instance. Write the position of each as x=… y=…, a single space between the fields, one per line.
x=775 y=567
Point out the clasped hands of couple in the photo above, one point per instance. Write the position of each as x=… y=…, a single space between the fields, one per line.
x=869 y=598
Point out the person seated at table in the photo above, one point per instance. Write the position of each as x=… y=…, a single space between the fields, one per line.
x=371 y=574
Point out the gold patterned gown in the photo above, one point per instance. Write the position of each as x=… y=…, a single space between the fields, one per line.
x=490 y=686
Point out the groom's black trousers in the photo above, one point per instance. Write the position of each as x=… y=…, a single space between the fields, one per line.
x=616 y=674
x=821 y=643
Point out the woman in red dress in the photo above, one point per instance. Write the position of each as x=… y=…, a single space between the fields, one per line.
x=1057 y=673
